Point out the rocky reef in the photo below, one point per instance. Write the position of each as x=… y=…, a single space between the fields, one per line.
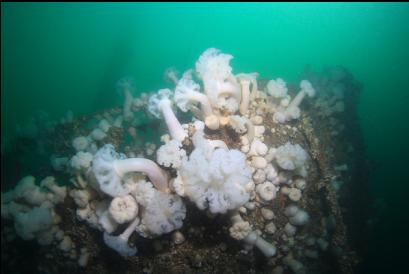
x=219 y=173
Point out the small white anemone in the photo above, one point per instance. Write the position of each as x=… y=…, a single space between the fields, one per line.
x=80 y=143
x=292 y=111
x=123 y=209
x=240 y=230
x=267 y=213
x=81 y=160
x=277 y=88
x=81 y=197
x=291 y=157
x=59 y=192
x=295 y=194
x=296 y=215
x=291 y=210
x=267 y=191
x=300 y=218
x=258 y=148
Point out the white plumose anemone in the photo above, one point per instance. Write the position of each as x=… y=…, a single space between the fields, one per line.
x=163 y=214
x=215 y=178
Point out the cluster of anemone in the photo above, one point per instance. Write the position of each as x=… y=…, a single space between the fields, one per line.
x=214 y=176
x=121 y=194
x=31 y=207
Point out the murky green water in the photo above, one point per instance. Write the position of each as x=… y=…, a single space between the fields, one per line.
x=57 y=57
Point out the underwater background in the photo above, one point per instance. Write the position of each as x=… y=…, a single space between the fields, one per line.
x=59 y=57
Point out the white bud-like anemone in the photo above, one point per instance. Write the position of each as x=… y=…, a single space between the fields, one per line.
x=240 y=230
x=300 y=218
x=259 y=176
x=295 y=194
x=258 y=162
x=270 y=228
x=258 y=148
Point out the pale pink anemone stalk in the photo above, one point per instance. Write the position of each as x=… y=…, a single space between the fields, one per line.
x=245 y=79
x=120 y=243
x=110 y=167
x=160 y=103
x=155 y=174
x=241 y=230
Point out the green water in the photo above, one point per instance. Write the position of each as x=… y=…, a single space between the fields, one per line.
x=57 y=57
